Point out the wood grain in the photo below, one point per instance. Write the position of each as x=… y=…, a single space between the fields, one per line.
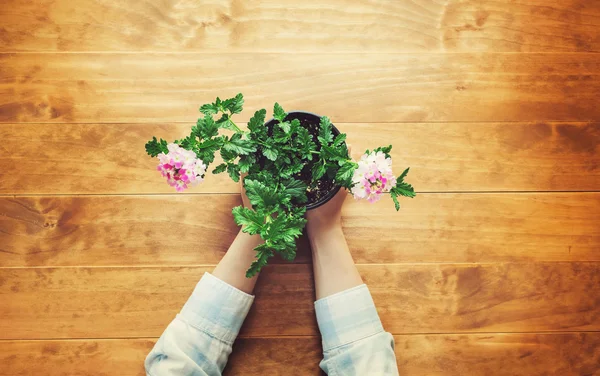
x=153 y=87
x=198 y=229
x=75 y=357
x=312 y=26
x=514 y=354
x=54 y=303
x=110 y=158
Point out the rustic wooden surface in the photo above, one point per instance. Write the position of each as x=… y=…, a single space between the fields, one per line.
x=499 y=156
x=518 y=354
x=384 y=87
x=494 y=269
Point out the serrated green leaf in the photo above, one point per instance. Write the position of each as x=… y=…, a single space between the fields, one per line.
x=225 y=122
x=344 y=174
x=296 y=189
x=291 y=169
x=404 y=189
x=240 y=146
x=228 y=154
x=294 y=125
x=285 y=126
x=318 y=170
x=209 y=109
x=205 y=128
x=278 y=112
x=403 y=175
x=246 y=162
x=154 y=147
x=259 y=194
x=385 y=150
x=234 y=171
x=325 y=131
x=270 y=154
x=263 y=253
x=339 y=139
x=220 y=168
x=252 y=220
x=334 y=153
x=395 y=199
x=234 y=105
x=257 y=122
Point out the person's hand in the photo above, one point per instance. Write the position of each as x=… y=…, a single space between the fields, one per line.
x=245 y=199
x=329 y=215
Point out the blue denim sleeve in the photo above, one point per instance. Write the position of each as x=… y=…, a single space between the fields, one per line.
x=354 y=342
x=199 y=340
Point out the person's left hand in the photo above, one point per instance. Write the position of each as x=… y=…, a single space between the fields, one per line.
x=245 y=199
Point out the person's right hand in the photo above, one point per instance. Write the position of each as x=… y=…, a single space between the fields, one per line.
x=329 y=215
x=326 y=216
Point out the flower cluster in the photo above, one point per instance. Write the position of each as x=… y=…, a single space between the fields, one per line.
x=181 y=167
x=373 y=177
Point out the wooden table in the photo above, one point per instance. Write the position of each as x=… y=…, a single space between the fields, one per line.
x=494 y=269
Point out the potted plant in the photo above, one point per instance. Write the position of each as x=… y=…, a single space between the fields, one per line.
x=295 y=162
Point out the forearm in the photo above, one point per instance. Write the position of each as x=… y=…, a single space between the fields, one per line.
x=232 y=267
x=334 y=268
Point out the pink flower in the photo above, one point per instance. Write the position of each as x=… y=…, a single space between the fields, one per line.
x=373 y=177
x=181 y=167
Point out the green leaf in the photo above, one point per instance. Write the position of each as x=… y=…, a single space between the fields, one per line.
x=344 y=174
x=270 y=153
x=284 y=229
x=404 y=189
x=334 y=154
x=263 y=253
x=257 y=122
x=294 y=125
x=279 y=113
x=155 y=147
x=296 y=189
x=226 y=123
x=285 y=126
x=260 y=195
x=188 y=143
x=228 y=154
x=206 y=150
x=234 y=172
x=234 y=105
x=240 y=146
x=291 y=169
x=220 y=168
x=395 y=199
x=403 y=175
x=318 y=170
x=246 y=162
x=252 y=220
x=339 y=139
x=205 y=128
x=209 y=109
x=325 y=131
x=385 y=150
x=305 y=143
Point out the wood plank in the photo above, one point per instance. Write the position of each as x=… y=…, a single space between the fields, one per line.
x=110 y=158
x=490 y=354
x=76 y=357
x=198 y=229
x=154 y=87
x=55 y=303
x=286 y=25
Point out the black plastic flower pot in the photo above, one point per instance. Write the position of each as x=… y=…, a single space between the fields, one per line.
x=309 y=120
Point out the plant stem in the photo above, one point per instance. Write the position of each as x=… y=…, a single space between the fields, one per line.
x=235 y=125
